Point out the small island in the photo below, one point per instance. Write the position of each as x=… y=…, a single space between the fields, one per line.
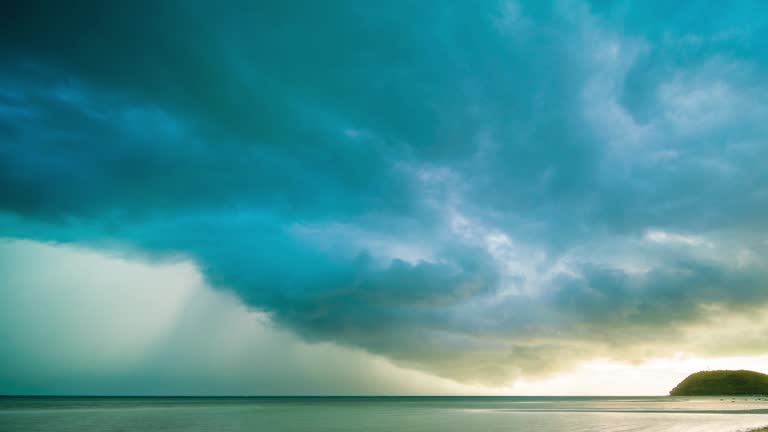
x=723 y=383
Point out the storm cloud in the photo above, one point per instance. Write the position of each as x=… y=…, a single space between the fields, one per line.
x=479 y=191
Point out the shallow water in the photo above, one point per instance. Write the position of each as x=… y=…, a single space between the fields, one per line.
x=539 y=414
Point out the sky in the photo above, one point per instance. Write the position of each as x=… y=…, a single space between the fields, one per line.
x=344 y=197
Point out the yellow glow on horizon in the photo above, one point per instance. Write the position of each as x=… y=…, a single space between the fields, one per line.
x=652 y=378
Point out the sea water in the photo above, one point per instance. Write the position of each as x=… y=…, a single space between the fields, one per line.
x=445 y=414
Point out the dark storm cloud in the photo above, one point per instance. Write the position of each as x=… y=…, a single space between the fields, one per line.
x=476 y=190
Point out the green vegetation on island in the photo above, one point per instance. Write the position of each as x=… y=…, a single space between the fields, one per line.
x=722 y=383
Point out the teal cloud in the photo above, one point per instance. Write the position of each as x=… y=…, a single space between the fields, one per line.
x=454 y=186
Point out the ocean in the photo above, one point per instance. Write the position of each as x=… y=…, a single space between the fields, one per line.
x=392 y=414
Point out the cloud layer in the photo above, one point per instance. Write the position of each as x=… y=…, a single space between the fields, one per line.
x=109 y=330
x=476 y=191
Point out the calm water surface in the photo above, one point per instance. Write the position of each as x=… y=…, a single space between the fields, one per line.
x=536 y=414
